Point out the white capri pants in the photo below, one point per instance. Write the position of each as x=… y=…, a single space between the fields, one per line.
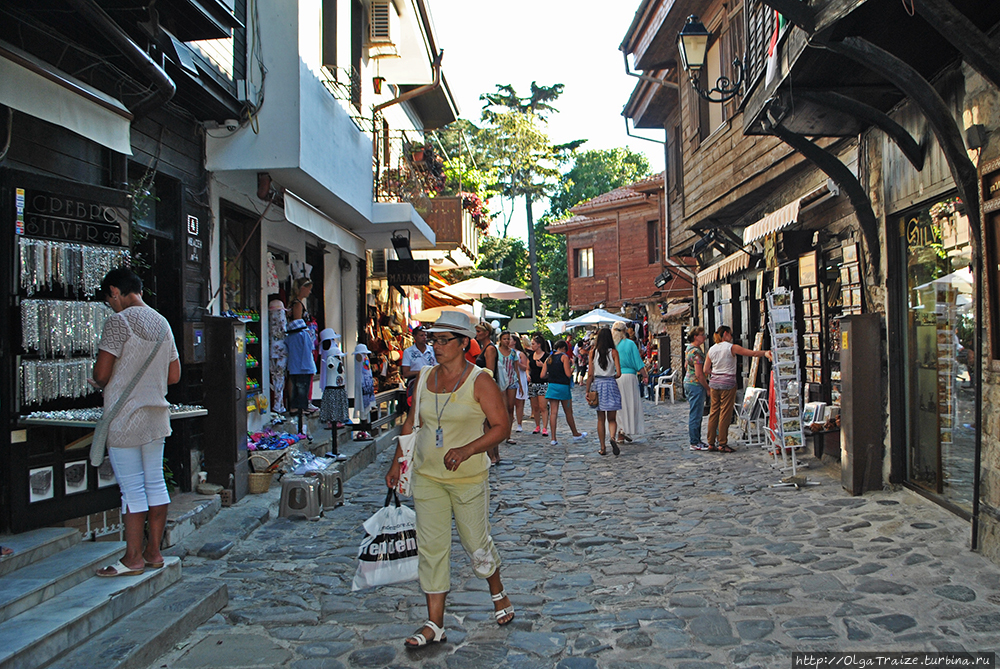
x=139 y=470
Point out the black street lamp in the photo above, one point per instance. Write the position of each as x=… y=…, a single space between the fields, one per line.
x=692 y=44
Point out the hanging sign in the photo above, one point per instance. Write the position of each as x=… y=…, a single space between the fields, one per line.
x=408 y=272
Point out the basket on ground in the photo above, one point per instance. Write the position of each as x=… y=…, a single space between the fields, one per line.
x=260 y=482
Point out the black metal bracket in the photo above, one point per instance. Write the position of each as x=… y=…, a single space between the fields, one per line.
x=935 y=110
x=976 y=46
x=848 y=183
x=842 y=103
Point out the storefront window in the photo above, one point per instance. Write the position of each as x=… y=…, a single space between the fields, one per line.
x=939 y=348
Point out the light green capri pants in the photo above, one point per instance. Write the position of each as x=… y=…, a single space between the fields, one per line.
x=434 y=503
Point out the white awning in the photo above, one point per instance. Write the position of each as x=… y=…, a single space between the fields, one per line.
x=34 y=87
x=301 y=214
x=731 y=264
x=772 y=222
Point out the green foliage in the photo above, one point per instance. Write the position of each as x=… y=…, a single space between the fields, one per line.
x=524 y=159
x=503 y=259
x=552 y=264
x=595 y=172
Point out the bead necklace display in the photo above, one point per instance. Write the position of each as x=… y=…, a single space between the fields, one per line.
x=94 y=414
x=44 y=380
x=58 y=327
x=46 y=264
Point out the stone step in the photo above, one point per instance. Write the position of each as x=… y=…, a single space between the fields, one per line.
x=37 y=636
x=187 y=512
x=139 y=638
x=41 y=580
x=35 y=545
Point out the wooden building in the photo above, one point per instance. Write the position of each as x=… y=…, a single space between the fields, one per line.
x=615 y=248
x=857 y=166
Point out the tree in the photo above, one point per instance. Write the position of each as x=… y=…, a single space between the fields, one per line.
x=593 y=173
x=524 y=158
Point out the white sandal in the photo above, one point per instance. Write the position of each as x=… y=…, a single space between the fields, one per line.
x=507 y=611
x=419 y=640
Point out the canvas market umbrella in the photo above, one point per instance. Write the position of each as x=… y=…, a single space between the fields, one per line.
x=595 y=317
x=482 y=286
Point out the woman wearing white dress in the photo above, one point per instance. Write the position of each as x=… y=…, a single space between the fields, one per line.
x=522 y=386
x=630 y=420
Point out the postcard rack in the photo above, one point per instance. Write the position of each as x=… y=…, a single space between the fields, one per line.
x=787 y=376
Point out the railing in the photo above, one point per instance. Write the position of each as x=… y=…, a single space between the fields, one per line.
x=345 y=87
x=389 y=406
x=404 y=169
x=760 y=23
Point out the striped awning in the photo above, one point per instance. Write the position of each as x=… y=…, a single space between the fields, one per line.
x=731 y=264
x=773 y=222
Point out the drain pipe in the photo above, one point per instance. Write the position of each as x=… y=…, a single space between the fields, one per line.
x=163 y=86
x=416 y=92
x=666 y=83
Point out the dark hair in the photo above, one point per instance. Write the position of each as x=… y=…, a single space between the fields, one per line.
x=124 y=280
x=542 y=341
x=695 y=332
x=517 y=342
x=605 y=342
x=721 y=332
x=560 y=344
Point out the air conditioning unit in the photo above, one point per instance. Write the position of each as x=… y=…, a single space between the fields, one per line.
x=378 y=262
x=383 y=29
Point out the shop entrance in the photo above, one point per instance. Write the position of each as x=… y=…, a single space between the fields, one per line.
x=939 y=347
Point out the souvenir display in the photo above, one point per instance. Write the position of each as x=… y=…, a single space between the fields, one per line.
x=76 y=268
x=786 y=368
x=812 y=325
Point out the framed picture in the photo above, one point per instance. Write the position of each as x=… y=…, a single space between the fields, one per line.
x=784 y=327
x=807 y=269
x=807 y=309
x=847 y=297
x=40 y=484
x=850 y=253
x=807 y=325
x=106 y=475
x=845 y=275
x=760 y=285
x=817 y=325
x=75 y=477
x=855 y=272
x=856 y=297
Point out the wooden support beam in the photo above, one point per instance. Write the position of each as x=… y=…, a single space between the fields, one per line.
x=976 y=46
x=848 y=183
x=795 y=11
x=935 y=110
x=842 y=103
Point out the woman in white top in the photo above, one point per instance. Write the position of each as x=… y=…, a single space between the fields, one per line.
x=135 y=437
x=720 y=369
x=507 y=373
x=602 y=371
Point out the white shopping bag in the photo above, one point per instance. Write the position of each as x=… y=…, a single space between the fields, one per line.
x=388 y=553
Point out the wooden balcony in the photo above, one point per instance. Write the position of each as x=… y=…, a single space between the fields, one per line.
x=453 y=225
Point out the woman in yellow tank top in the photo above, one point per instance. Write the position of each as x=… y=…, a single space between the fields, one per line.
x=462 y=416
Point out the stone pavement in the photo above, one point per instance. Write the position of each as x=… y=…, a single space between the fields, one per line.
x=658 y=558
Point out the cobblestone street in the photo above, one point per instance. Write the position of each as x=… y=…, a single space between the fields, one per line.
x=661 y=557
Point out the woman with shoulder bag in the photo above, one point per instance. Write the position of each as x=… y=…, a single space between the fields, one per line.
x=136 y=361
x=451 y=473
x=603 y=371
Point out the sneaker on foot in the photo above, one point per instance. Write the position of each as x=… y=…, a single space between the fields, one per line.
x=580 y=437
x=341 y=457
x=536 y=430
x=518 y=429
x=553 y=443
x=700 y=446
x=545 y=433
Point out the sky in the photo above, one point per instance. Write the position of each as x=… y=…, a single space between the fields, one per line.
x=552 y=42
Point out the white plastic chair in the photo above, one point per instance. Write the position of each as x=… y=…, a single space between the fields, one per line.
x=666 y=383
